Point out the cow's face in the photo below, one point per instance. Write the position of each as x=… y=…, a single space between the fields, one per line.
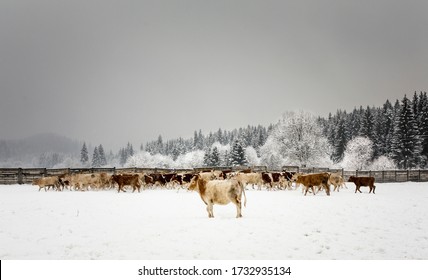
x=193 y=183
x=351 y=179
x=295 y=176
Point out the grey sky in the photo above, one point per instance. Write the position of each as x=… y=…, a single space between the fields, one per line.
x=115 y=71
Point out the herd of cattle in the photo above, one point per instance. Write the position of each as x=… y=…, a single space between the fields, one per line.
x=214 y=187
x=269 y=180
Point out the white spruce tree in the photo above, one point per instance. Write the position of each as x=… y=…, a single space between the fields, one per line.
x=367 y=124
x=96 y=158
x=102 y=156
x=423 y=127
x=84 y=157
x=406 y=145
x=215 y=157
x=123 y=156
x=129 y=150
x=340 y=141
x=207 y=158
x=237 y=154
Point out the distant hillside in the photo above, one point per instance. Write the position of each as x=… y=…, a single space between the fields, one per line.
x=25 y=150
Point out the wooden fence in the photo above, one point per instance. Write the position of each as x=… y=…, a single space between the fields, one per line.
x=9 y=176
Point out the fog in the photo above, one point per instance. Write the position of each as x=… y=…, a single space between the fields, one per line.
x=116 y=71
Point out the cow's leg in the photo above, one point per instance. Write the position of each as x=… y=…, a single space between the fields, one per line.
x=210 y=210
x=357 y=188
x=238 y=209
x=327 y=189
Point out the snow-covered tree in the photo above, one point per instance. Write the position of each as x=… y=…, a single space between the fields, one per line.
x=384 y=128
x=270 y=155
x=145 y=159
x=215 y=157
x=406 y=144
x=207 y=158
x=340 y=140
x=237 y=154
x=191 y=159
x=96 y=158
x=383 y=163
x=299 y=140
x=102 y=156
x=224 y=151
x=358 y=154
x=84 y=156
x=367 y=124
x=50 y=159
x=251 y=156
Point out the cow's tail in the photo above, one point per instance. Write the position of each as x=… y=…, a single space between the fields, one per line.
x=243 y=191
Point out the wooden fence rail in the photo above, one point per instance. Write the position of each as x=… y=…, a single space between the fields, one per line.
x=9 y=176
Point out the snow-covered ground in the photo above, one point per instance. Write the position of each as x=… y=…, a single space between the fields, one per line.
x=171 y=224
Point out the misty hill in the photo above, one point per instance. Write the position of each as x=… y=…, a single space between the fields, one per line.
x=23 y=151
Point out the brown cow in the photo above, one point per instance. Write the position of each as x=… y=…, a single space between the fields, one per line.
x=218 y=192
x=363 y=182
x=47 y=182
x=127 y=179
x=311 y=180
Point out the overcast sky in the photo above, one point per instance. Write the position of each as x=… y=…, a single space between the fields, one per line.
x=109 y=72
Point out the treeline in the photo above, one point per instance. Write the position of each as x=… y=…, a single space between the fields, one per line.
x=398 y=131
x=254 y=136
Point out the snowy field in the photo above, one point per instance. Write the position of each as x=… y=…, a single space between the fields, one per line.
x=171 y=224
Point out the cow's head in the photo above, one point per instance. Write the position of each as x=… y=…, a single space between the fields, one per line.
x=194 y=182
x=295 y=176
x=351 y=179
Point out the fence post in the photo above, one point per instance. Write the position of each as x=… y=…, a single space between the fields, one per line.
x=419 y=175
x=20 y=177
x=407 y=175
x=383 y=176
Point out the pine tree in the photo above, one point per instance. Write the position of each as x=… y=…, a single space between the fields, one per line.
x=130 y=149
x=423 y=127
x=84 y=157
x=237 y=154
x=123 y=156
x=207 y=158
x=215 y=157
x=102 y=156
x=367 y=124
x=96 y=158
x=340 y=141
x=406 y=143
